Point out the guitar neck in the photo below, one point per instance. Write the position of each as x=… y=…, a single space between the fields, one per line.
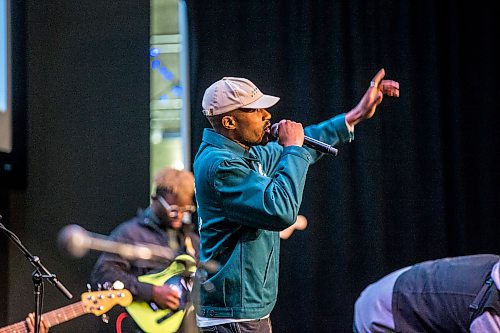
x=52 y=318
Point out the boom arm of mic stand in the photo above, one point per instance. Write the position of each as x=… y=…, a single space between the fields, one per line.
x=35 y=261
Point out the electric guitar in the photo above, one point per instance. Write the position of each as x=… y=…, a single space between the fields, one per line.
x=148 y=316
x=96 y=302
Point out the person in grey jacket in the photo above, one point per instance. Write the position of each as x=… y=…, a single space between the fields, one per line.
x=448 y=295
x=248 y=189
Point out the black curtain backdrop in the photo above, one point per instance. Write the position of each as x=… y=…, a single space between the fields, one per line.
x=86 y=99
x=421 y=179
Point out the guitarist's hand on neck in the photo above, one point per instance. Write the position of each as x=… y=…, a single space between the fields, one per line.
x=96 y=302
x=166 y=297
x=30 y=322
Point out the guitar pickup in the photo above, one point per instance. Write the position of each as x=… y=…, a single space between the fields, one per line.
x=153 y=306
x=165 y=317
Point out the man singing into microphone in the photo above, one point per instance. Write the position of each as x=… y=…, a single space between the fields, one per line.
x=248 y=189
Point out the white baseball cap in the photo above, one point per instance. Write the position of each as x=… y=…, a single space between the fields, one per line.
x=231 y=93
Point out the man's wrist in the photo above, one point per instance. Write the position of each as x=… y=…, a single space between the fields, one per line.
x=353 y=117
x=350 y=128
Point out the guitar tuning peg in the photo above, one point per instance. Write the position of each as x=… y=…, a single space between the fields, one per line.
x=118 y=285
x=105 y=318
x=89 y=288
x=107 y=285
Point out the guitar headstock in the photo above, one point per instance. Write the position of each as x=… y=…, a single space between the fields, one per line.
x=100 y=302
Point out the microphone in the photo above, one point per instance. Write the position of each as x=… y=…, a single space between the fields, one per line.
x=77 y=241
x=309 y=142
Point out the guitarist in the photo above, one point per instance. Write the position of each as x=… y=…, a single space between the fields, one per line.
x=165 y=222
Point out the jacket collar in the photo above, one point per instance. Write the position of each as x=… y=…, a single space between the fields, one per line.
x=218 y=140
x=149 y=218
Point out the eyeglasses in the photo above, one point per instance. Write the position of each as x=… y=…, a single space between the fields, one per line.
x=174 y=210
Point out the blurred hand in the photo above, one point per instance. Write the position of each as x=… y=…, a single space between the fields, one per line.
x=166 y=297
x=300 y=224
x=30 y=322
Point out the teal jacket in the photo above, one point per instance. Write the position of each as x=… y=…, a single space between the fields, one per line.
x=244 y=199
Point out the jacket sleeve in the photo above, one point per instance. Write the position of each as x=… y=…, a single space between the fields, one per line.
x=253 y=199
x=332 y=131
x=111 y=267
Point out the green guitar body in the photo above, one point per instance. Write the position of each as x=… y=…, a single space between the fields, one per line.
x=153 y=320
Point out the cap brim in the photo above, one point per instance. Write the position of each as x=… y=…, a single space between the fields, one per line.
x=266 y=101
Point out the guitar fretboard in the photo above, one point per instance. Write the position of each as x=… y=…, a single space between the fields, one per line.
x=53 y=318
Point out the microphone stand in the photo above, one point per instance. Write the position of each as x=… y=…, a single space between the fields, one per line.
x=39 y=274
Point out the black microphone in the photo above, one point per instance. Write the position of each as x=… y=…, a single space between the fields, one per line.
x=309 y=142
